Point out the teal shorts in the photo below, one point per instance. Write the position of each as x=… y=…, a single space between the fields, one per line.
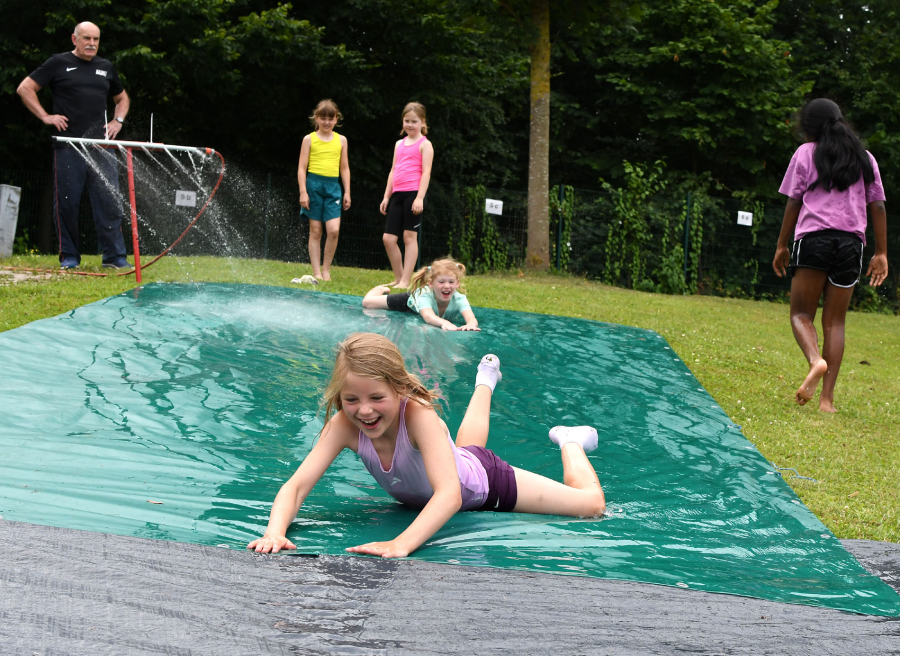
x=325 y=198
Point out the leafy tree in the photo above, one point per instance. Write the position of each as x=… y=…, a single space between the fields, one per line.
x=850 y=51
x=704 y=85
x=242 y=77
x=468 y=73
x=213 y=73
x=533 y=22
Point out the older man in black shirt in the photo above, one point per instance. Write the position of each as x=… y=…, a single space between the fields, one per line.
x=80 y=82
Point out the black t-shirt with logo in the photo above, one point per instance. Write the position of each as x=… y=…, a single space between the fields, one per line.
x=80 y=90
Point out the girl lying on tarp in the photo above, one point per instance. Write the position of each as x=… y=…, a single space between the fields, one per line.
x=376 y=408
x=434 y=294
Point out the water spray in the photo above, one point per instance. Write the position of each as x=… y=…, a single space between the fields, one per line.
x=144 y=145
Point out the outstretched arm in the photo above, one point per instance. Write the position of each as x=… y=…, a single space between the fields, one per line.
x=434 y=320
x=427 y=434
x=471 y=321
x=878 y=266
x=782 y=251
x=287 y=503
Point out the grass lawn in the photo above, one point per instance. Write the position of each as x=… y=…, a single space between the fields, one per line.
x=742 y=352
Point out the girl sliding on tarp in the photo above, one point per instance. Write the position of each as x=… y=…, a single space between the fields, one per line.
x=434 y=295
x=376 y=408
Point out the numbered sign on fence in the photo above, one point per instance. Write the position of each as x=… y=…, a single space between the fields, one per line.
x=492 y=206
x=745 y=218
x=186 y=198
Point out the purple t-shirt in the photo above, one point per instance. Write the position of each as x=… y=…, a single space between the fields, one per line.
x=828 y=210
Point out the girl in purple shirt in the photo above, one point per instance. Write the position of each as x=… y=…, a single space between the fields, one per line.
x=831 y=181
x=387 y=416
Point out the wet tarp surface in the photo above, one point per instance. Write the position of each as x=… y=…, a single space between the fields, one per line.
x=177 y=411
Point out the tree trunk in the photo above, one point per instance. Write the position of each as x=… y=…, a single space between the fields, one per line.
x=538 y=248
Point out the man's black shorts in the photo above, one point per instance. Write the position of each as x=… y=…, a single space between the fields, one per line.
x=835 y=251
x=400 y=216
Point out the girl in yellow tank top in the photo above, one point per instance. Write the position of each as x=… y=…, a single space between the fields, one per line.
x=323 y=167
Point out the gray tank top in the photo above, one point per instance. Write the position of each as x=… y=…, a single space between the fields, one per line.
x=406 y=479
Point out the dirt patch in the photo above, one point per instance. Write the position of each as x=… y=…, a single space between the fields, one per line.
x=12 y=277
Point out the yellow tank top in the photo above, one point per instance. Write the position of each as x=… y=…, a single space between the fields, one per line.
x=325 y=156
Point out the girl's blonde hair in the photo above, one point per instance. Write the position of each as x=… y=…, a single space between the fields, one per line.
x=375 y=357
x=418 y=109
x=447 y=266
x=326 y=109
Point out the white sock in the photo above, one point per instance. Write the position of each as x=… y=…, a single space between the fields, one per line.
x=488 y=372
x=586 y=436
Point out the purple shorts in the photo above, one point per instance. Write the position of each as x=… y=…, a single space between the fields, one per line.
x=502 y=490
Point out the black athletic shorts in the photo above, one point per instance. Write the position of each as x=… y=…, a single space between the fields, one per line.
x=400 y=216
x=835 y=251
x=397 y=302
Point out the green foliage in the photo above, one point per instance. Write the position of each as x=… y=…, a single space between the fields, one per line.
x=561 y=215
x=481 y=247
x=671 y=272
x=242 y=76
x=629 y=233
x=849 y=51
x=22 y=245
x=867 y=299
x=707 y=86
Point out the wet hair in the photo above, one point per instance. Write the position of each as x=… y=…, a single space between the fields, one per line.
x=418 y=109
x=426 y=275
x=377 y=358
x=326 y=109
x=840 y=157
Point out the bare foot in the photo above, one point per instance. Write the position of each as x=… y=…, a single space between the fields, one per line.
x=807 y=390
x=403 y=284
x=318 y=276
x=826 y=405
x=326 y=276
x=393 y=284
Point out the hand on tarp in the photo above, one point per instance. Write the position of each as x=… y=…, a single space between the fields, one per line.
x=267 y=544
x=390 y=549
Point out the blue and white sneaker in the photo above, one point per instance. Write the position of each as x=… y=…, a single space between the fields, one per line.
x=68 y=263
x=118 y=263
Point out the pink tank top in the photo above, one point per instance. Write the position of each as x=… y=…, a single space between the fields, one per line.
x=407 y=481
x=408 y=166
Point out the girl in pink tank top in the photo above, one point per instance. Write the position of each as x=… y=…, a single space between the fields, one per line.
x=376 y=408
x=404 y=195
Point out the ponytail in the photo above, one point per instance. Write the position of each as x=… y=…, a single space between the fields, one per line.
x=420 y=279
x=840 y=157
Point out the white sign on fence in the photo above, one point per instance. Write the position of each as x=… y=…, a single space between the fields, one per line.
x=186 y=198
x=493 y=206
x=745 y=218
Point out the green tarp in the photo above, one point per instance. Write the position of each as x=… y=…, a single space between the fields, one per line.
x=176 y=412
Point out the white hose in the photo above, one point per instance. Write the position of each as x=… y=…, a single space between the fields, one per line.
x=109 y=143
